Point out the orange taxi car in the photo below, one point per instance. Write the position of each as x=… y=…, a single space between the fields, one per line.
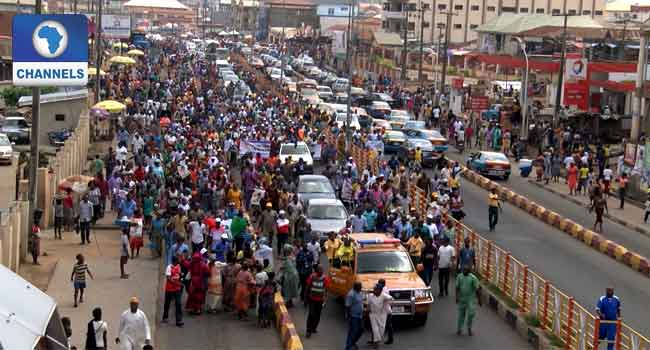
x=378 y=256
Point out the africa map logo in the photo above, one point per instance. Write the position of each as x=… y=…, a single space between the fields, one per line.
x=50 y=39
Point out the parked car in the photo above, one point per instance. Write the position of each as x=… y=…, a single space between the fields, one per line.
x=380 y=96
x=17 y=129
x=490 y=164
x=325 y=216
x=6 y=150
x=314 y=186
x=381 y=124
x=406 y=153
x=393 y=141
x=310 y=96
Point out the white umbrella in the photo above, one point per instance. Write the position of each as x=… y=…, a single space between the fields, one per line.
x=222 y=33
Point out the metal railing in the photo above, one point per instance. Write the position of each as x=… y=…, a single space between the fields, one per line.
x=558 y=313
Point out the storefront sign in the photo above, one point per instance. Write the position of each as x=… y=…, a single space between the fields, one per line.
x=457 y=83
x=630 y=154
x=575 y=94
x=116 y=27
x=480 y=103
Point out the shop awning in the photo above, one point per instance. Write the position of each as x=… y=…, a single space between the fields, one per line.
x=510 y=61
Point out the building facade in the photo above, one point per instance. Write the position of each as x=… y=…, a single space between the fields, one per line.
x=463 y=16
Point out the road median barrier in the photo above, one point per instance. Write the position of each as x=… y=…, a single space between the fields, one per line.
x=283 y=322
x=577 y=231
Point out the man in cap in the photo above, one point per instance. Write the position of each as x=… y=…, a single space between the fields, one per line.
x=134 y=332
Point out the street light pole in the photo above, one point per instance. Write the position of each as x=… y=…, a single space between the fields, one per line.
x=405 y=9
x=560 y=77
x=98 y=44
x=33 y=165
x=421 y=10
x=524 y=91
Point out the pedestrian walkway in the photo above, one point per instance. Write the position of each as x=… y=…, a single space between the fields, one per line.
x=631 y=216
x=107 y=290
x=490 y=331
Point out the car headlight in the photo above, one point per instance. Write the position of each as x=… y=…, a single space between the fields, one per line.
x=422 y=294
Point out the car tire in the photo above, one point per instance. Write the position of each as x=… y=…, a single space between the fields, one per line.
x=419 y=320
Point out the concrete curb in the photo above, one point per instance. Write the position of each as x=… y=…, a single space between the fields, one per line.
x=577 y=231
x=288 y=333
x=516 y=319
x=637 y=228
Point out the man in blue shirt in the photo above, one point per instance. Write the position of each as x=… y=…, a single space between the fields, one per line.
x=354 y=315
x=609 y=309
x=370 y=220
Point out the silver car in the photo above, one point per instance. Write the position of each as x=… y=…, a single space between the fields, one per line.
x=314 y=186
x=325 y=216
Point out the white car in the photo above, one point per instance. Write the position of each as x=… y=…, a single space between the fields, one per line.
x=326 y=215
x=341 y=119
x=297 y=151
x=6 y=149
x=275 y=74
x=324 y=92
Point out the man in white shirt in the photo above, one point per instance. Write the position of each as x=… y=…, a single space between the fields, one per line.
x=446 y=255
x=134 y=332
x=314 y=247
x=197 y=232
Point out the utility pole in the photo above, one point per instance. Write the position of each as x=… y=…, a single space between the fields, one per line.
x=348 y=58
x=444 y=53
x=420 y=78
x=34 y=135
x=637 y=110
x=560 y=77
x=98 y=44
x=405 y=9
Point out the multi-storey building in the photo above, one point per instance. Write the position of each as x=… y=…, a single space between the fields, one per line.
x=463 y=16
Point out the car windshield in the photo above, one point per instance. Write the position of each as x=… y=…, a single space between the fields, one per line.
x=496 y=156
x=394 y=135
x=326 y=212
x=382 y=262
x=399 y=118
x=298 y=149
x=432 y=134
x=315 y=187
x=4 y=140
x=13 y=123
x=415 y=124
x=423 y=144
x=324 y=89
x=308 y=92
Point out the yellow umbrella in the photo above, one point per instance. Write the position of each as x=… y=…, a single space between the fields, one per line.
x=93 y=71
x=121 y=60
x=123 y=45
x=135 y=52
x=110 y=106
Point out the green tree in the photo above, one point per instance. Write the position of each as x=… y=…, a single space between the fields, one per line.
x=11 y=95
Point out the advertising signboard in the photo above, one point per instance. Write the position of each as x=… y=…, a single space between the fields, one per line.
x=50 y=50
x=116 y=27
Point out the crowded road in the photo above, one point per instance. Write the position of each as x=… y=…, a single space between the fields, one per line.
x=578 y=270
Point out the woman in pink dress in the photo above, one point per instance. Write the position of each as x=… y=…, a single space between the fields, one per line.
x=572 y=178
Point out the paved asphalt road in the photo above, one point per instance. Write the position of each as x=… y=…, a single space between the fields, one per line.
x=570 y=265
x=491 y=332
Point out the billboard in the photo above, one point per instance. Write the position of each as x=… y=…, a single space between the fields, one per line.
x=116 y=27
x=50 y=50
